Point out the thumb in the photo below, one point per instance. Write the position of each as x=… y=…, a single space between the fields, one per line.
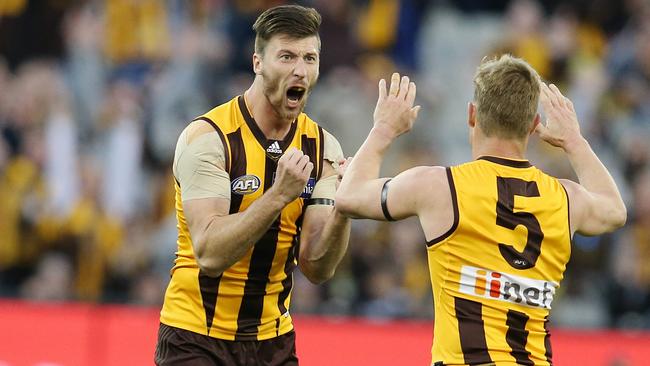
x=415 y=110
x=541 y=130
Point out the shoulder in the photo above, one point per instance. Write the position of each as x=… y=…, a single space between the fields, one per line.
x=332 y=150
x=425 y=181
x=197 y=128
x=575 y=192
x=224 y=117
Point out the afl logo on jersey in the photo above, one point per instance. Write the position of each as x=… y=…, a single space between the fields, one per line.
x=246 y=184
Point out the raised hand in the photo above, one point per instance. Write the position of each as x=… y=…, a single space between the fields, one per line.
x=562 y=127
x=292 y=174
x=395 y=113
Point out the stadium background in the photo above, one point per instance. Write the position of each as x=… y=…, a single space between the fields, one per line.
x=93 y=95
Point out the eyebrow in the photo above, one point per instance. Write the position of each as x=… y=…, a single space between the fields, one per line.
x=285 y=50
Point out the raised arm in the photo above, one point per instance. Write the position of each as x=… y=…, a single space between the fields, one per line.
x=361 y=190
x=221 y=239
x=596 y=206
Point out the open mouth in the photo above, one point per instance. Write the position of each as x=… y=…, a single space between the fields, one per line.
x=294 y=95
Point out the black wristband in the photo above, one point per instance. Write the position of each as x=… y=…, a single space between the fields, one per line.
x=384 y=197
x=320 y=201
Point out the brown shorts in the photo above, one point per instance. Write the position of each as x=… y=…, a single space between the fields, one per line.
x=182 y=347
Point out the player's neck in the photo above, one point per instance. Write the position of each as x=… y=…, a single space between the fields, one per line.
x=504 y=148
x=272 y=125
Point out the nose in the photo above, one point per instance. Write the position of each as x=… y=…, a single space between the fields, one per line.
x=300 y=68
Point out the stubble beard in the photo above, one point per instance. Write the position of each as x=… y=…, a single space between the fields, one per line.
x=272 y=89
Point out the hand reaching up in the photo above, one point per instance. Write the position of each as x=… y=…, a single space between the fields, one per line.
x=395 y=113
x=561 y=128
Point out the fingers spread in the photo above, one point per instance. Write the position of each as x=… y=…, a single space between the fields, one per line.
x=382 y=89
x=543 y=93
x=404 y=87
x=556 y=96
x=410 y=96
x=394 y=84
x=414 y=112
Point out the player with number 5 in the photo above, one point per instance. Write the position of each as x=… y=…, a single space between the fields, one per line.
x=498 y=229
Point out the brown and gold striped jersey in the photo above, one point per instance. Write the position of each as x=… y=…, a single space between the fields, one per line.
x=495 y=272
x=250 y=300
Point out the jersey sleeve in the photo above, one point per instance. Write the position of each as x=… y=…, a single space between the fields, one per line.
x=199 y=167
x=332 y=151
x=332 y=154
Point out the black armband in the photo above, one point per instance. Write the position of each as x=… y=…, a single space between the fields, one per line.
x=320 y=201
x=384 y=197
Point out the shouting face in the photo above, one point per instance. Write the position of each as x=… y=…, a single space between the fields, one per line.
x=289 y=70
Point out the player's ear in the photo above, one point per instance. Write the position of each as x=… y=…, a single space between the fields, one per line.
x=536 y=121
x=471 y=115
x=257 y=64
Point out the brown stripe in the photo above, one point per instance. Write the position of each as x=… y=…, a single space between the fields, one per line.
x=259 y=135
x=289 y=266
x=547 y=342
x=471 y=331
x=308 y=147
x=238 y=167
x=257 y=132
x=321 y=152
x=454 y=203
x=250 y=312
x=209 y=291
x=507 y=162
x=517 y=336
x=221 y=136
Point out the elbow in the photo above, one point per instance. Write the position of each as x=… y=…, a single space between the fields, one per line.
x=615 y=219
x=319 y=279
x=315 y=275
x=209 y=267
x=620 y=217
x=344 y=204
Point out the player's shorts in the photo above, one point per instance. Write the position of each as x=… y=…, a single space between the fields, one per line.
x=182 y=347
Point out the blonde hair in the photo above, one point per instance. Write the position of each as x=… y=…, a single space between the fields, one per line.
x=506 y=93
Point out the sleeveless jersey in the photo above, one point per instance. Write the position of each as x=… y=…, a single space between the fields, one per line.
x=495 y=272
x=250 y=300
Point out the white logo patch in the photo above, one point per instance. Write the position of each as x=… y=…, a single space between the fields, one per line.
x=246 y=184
x=507 y=287
x=274 y=148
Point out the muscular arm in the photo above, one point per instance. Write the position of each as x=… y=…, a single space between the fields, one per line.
x=360 y=191
x=220 y=239
x=323 y=241
x=325 y=231
x=595 y=203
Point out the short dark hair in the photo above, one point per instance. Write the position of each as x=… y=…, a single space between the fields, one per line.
x=293 y=20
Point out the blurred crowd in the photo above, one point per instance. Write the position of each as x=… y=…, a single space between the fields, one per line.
x=93 y=95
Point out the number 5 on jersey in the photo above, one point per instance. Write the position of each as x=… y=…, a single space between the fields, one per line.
x=507 y=189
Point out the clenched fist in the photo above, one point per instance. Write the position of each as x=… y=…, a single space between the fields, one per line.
x=292 y=174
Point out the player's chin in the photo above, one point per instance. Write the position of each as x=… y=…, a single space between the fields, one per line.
x=293 y=110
